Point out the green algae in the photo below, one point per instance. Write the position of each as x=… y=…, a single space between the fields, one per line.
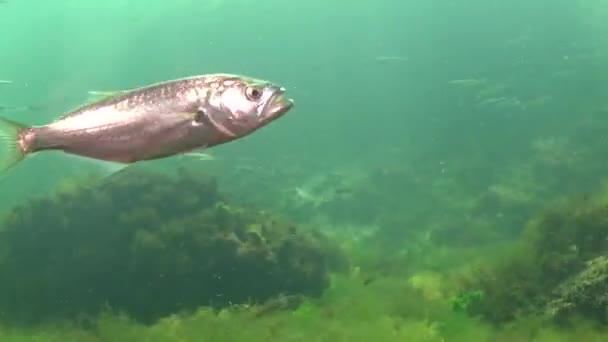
x=150 y=245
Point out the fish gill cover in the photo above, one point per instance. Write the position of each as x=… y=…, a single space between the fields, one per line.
x=151 y=245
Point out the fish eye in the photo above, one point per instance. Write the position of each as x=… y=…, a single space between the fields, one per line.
x=253 y=94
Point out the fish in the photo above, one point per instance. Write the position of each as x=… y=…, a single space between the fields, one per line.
x=391 y=59
x=157 y=121
x=30 y=108
x=468 y=82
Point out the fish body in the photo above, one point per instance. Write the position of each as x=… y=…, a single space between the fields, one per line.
x=153 y=122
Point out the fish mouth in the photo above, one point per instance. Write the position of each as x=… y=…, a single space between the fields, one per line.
x=278 y=105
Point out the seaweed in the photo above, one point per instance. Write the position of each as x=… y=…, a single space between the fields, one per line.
x=150 y=245
x=556 y=247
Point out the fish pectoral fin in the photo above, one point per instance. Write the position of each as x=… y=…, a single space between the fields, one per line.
x=188 y=116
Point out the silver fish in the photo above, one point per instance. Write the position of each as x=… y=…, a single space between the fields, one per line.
x=157 y=121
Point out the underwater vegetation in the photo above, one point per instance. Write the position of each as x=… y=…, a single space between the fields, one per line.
x=150 y=245
x=185 y=262
x=558 y=270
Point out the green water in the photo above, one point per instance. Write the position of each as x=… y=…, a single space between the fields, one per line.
x=429 y=137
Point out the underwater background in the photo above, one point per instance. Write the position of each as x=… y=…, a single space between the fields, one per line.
x=442 y=177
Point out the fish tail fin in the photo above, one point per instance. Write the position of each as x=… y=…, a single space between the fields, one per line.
x=12 y=150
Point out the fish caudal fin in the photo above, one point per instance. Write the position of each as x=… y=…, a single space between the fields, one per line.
x=11 y=152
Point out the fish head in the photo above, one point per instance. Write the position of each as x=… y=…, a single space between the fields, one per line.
x=239 y=105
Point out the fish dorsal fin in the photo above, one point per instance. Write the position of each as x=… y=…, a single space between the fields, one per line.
x=93 y=96
x=100 y=95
